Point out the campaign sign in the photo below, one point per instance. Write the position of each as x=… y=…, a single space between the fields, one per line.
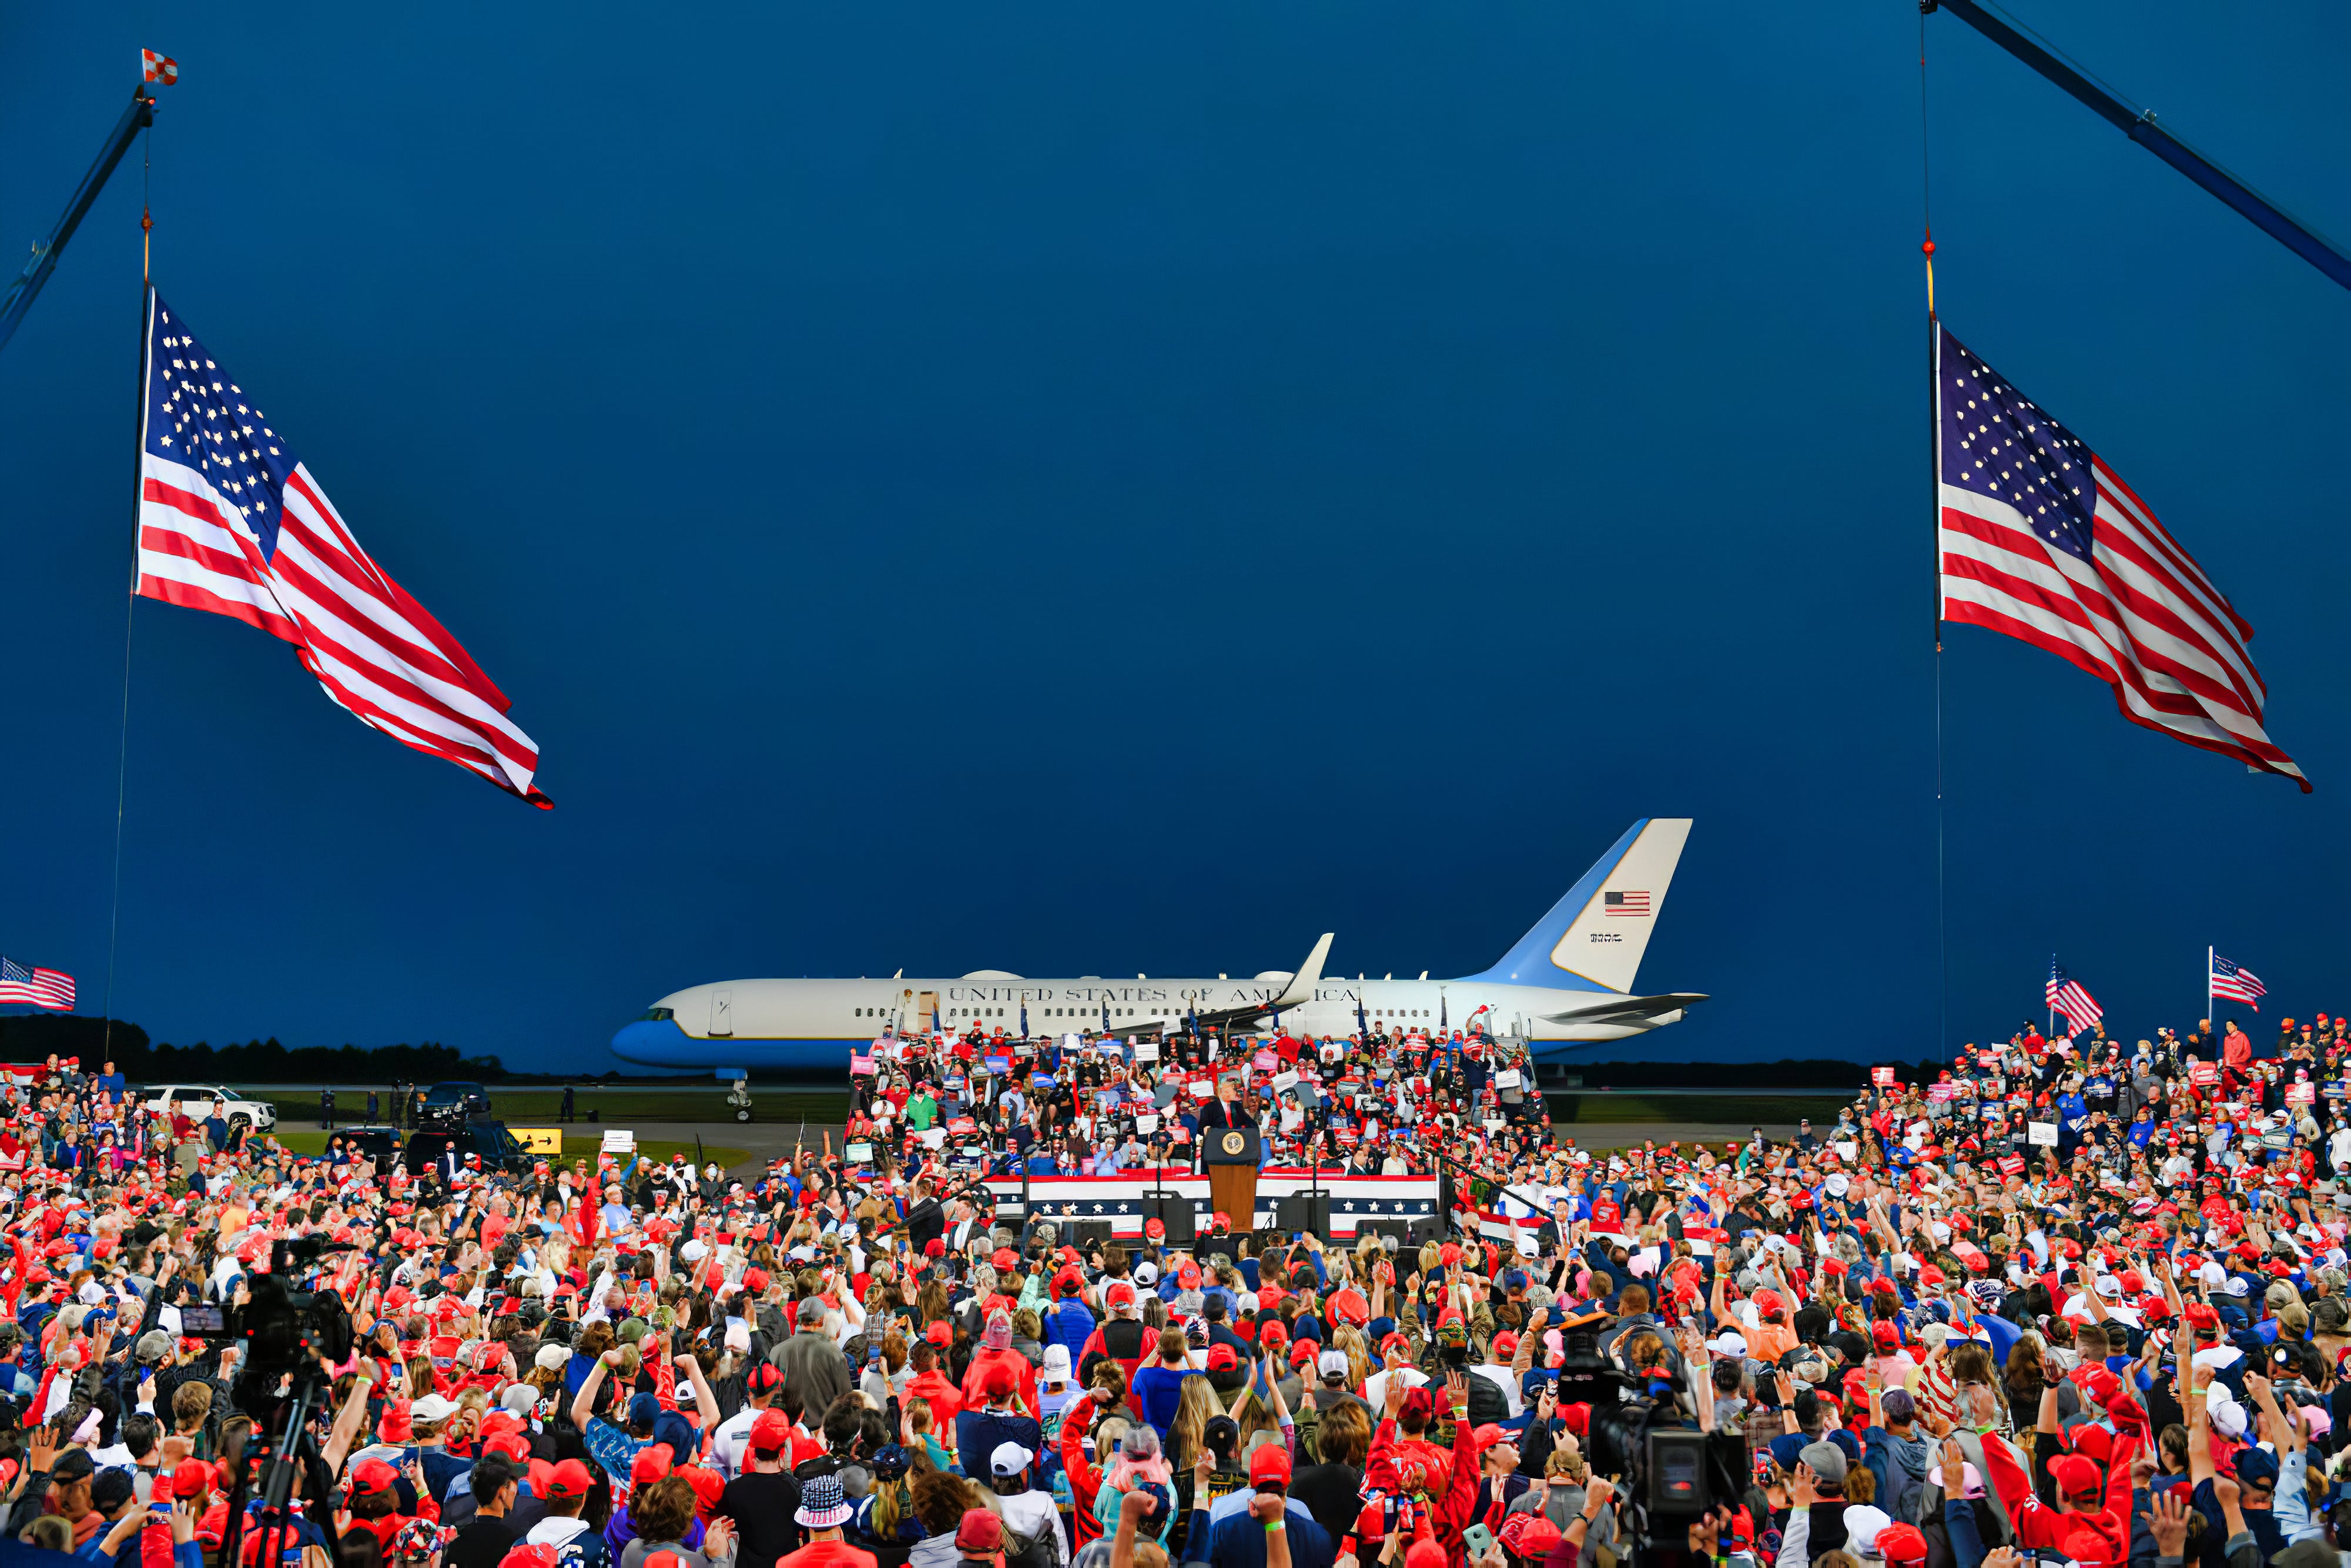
x=1847 y=1148
x=1881 y=1076
x=1148 y=1123
x=617 y=1141
x=1108 y=1099
x=1941 y=1093
x=858 y=1153
x=2011 y=1165
x=1282 y=1081
x=2301 y=1093
x=998 y=1065
x=2204 y=1074
x=1042 y=1081
x=1146 y=1050
x=1507 y=1079
x=933 y=1137
x=859 y=1066
x=2336 y=1089
x=2043 y=1133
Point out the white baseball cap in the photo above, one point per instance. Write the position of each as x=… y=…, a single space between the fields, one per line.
x=1010 y=1460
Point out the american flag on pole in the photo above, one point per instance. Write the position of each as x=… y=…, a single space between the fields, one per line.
x=2040 y=540
x=2068 y=996
x=231 y=521
x=41 y=987
x=2237 y=983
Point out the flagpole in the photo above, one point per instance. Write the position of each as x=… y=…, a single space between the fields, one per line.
x=1935 y=555
x=2207 y=983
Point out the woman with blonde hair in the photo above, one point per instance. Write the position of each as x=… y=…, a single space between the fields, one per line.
x=1194 y=1405
x=1346 y=1337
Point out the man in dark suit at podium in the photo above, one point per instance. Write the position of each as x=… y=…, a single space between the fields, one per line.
x=1226 y=1112
x=1224 y=1109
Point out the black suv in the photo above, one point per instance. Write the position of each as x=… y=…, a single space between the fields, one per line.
x=499 y=1150
x=456 y=1103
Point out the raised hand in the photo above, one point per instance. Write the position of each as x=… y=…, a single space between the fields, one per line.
x=2166 y=1519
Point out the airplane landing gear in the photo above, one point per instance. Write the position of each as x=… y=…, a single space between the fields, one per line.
x=740 y=1098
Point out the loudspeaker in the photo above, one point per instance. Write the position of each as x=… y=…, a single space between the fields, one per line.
x=1307 y=1212
x=1174 y=1211
x=1407 y=1232
x=1080 y=1233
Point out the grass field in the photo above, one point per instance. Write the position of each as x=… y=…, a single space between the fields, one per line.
x=1746 y=1110
x=616 y=1106
x=576 y=1146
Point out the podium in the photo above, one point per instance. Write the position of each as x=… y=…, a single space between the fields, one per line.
x=1230 y=1155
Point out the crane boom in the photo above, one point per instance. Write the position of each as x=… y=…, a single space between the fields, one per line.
x=43 y=260
x=2140 y=126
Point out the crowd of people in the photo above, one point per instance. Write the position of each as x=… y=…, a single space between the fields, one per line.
x=1096 y=1104
x=2073 y=1299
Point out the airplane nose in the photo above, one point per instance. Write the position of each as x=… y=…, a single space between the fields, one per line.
x=650 y=1042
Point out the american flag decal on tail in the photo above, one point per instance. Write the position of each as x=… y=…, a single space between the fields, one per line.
x=1631 y=903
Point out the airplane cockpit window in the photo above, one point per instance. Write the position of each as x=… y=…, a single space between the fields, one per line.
x=660 y=1015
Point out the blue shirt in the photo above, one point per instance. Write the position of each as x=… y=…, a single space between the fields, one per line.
x=611 y=1447
x=1159 y=1389
x=1239 y=1542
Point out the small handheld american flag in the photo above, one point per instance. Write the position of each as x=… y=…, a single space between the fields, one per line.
x=2237 y=983
x=40 y=988
x=2068 y=996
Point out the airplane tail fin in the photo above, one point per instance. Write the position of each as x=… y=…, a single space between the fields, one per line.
x=1594 y=938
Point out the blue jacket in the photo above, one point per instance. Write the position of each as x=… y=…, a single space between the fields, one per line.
x=1070 y=1324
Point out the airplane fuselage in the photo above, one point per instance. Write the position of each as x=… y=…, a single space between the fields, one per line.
x=818 y=1023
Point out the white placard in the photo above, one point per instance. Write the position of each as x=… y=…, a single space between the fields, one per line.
x=1284 y=1080
x=1495 y=1124
x=1148 y=1122
x=1507 y=1079
x=933 y=1137
x=1146 y=1050
x=619 y=1140
x=2042 y=1135
x=1204 y=1091
x=1847 y=1148
x=858 y=1153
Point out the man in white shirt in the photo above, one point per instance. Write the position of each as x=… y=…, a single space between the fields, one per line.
x=734 y=1435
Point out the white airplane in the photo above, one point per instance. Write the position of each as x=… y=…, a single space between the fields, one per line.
x=1568 y=982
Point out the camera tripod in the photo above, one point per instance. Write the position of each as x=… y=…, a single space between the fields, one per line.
x=289 y=1443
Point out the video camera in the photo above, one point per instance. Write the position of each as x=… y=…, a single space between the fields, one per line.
x=1673 y=1474
x=282 y=1331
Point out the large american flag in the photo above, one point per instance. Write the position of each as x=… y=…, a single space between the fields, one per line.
x=2068 y=996
x=2041 y=540
x=231 y=521
x=2237 y=983
x=41 y=987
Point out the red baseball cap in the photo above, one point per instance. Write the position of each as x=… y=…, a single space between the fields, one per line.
x=651 y=1464
x=568 y=1480
x=1269 y=1463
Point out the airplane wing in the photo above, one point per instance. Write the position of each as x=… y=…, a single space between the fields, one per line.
x=1296 y=994
x=1626 y=1009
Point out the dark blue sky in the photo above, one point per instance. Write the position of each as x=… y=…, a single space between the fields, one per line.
x=1094 y=489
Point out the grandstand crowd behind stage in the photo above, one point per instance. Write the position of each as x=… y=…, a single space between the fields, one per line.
x=2068 y=1301
x=1087 y=1105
